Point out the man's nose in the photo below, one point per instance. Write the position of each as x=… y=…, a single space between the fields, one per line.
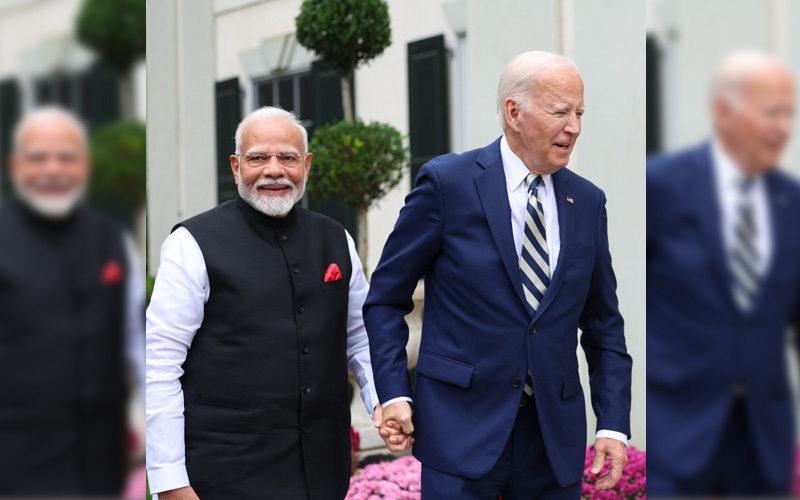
x=573 y=125
x=273 y=167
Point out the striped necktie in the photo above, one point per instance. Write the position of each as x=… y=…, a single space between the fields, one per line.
x=744 y=258
x=534 y=261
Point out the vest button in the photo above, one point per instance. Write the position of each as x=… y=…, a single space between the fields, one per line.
x=295 y=270
x=284 y=238
x=301 y=309
x=307 y=389
x=516 y=383
x=305 y=349
x=305 y=430
x=532 y=329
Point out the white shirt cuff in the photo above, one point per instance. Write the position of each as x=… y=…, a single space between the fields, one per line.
x=603 y=433
x=395 y=400
x=168 y=478
x=370 y=398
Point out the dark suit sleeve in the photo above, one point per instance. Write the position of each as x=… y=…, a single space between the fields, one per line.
x=408 y=254
x=603 y=340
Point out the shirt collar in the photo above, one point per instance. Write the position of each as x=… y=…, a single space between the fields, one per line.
x=728 y=173
x=515 y=170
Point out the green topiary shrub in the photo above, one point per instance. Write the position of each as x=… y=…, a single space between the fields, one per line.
x=119 y=164
x=357 y=164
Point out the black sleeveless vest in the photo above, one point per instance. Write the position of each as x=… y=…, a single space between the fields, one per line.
x=266 y=405
x=62 y=375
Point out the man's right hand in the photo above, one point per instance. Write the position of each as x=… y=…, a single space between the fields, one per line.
x=396 y=427
x=185 y=493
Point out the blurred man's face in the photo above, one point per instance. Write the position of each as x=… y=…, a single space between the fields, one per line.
x=757 y=124
x=272 y=171
x=50 y=168
x=550 y=123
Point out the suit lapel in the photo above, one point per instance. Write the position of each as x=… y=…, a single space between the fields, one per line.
x=492 y=190
x=707 y=210
x=779 y=217
x=566 y=223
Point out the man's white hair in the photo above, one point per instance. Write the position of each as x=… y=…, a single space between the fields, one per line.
x=269 y=113
x=736 y=69
x=49 y=113
x=520 y=76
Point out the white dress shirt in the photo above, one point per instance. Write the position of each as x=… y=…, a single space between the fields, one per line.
x=728 y=177
x=174 y=316
x=516 y=172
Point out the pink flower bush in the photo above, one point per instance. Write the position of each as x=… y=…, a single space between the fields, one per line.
x=400 y=480
x=632 y=484
x=796 y=483
x=396 y=480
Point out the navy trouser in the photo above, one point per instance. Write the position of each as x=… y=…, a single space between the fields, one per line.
x=522 y=472
x=733 y=471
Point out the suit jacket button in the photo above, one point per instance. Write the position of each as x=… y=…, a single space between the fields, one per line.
x=296 y=270
x=532 y=329
x=284 y=238
x=516 y=383
x=305 y=349
x=307 y=389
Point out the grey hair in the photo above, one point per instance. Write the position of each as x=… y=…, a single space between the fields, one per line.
x=733 y=72
x=49 y=113
x=269 y=113
x=520 y=75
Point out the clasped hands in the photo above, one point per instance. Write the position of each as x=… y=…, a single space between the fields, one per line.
x=394 y=425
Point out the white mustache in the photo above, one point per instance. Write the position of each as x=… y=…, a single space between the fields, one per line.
x=273 y=182
x=56 y=182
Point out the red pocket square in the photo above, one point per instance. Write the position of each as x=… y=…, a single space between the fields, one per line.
x=111 y=273
x=333 y=273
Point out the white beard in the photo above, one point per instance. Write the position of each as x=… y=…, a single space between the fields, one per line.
x=50 y=207
x=273 y=206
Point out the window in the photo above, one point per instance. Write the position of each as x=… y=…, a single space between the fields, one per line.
x=653 y=102
x=290 y=92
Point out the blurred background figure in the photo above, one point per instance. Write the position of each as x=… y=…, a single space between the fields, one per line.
x=723 y=290
x=71 y=321
x=72 y=189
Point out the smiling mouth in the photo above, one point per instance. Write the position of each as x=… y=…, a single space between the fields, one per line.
x=562 y=146
x=275 y=189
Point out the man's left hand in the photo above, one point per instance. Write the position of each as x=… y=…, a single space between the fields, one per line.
x=616 y=453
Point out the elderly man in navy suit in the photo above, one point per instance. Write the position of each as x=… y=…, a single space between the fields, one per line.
x=723 y=289
x=514 y=251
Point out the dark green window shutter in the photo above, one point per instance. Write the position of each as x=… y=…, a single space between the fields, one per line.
x=229 y=114
x=653 y=99
x=99 y=96
x=428 y=102
x=10 y=98
x=326 y=98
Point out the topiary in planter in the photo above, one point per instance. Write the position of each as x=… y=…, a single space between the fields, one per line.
x=357 y=163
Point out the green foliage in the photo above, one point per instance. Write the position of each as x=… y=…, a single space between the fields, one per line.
x=115 y=29
x=344 y=33
x=119 y=160
x=355 y=162
x=151 y=281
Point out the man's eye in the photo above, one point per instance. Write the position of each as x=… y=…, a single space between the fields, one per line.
x=257 y=158
x=289 y=158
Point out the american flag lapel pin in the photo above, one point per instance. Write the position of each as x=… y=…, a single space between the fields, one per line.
x=570 y=200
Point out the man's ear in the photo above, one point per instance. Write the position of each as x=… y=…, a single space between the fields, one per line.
x=235 y=168
x=511 y=110
x=308 y=164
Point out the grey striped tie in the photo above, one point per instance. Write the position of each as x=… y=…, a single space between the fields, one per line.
x=744 y=258
x=534 y=261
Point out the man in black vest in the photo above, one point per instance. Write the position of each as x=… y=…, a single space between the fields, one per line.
x=71 y=303
x=254 y=320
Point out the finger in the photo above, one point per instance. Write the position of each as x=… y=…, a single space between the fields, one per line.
x=599 y=460
x=407 y=426
x=604 y=482
x=378 y=418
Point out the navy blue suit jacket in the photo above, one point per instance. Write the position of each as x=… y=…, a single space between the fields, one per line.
x=700 y=348
x=477 y=335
